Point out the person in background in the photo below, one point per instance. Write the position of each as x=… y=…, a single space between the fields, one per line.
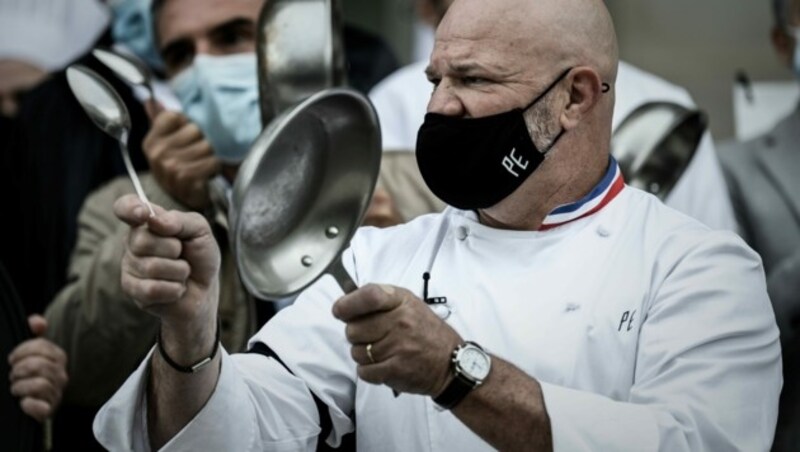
x=401 y=100
x=53 y=155
x=666 y=341
x=208 y=52
x=207 y=48
x=38 y=37
x=762 y=176
x=34 y=370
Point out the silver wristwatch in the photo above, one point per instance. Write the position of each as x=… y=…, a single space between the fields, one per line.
x=470 y=365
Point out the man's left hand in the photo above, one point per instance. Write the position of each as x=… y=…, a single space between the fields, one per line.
x=410 y=346
x=38 y=372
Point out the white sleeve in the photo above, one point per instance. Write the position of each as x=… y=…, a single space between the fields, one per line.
x=311 y=342
x=256 y=405
x=708 y=367
x=702 y=193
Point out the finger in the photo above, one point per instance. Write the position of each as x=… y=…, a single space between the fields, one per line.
x=201 y=171
x=379 y=373
x=37 y=366
x=361 y=356
x=370 y=328
x=37 y=324
x=132 y=211
x=176 y=270
x=166 y=123
x=142 y=242
x=184 y=226
x=38 y=388
x=370 y=299
x=153 y=108
x=183 y=136
x=200 y=167
x=37 y=347
x=194 y=151
x=147 y=292
x=36 y=408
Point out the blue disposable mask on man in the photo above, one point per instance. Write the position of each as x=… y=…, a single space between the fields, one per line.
x=133 y=29
x=220 y=95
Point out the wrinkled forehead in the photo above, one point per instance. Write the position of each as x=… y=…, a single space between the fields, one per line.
x=494 y=40
x=491 y=56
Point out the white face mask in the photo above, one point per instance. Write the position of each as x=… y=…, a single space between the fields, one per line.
x=220 y=94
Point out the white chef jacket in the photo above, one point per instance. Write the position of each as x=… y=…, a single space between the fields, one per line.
x=401 y=101
x=646 y=330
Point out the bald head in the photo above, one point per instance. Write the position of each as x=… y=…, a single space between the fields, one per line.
x=557 y=33
x=496 y=56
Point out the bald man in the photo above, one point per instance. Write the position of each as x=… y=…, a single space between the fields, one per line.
x=552 y=308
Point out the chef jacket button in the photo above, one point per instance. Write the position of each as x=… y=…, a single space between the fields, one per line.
x=462 y=233
x=602 y=231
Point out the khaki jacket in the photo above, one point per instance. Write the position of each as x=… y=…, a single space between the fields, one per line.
x=102 y=330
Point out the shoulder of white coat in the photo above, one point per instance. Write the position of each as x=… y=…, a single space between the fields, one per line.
x=673 y=236
x=375 y=249
x=373 y=240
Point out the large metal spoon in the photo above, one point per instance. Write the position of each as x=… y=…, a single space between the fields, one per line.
x=127 y=67
x=108 y=112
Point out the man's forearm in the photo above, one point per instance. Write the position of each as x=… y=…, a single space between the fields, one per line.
x=508 y=410
x=174 y=398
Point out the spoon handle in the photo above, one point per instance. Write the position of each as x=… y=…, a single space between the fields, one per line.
x=123 y=147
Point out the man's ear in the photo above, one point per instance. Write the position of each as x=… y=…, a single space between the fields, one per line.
x=784 y=45
x=585 y=90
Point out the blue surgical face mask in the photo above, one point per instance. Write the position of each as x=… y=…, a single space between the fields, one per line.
x=220 y=95
x=133 y=28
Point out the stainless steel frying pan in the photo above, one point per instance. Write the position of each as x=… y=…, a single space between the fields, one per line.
x=300 y=52
x=302 y=192
x=308 y=179
x=655 y=144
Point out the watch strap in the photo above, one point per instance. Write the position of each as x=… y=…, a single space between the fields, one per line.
x=455 y=392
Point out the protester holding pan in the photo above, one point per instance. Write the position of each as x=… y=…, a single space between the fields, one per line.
x=104 y=334
x=208 y=48
x=581 y=314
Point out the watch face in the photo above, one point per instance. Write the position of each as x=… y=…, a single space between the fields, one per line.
x=474 y=363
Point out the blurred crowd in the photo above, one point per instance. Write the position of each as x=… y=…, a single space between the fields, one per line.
x=62 y=245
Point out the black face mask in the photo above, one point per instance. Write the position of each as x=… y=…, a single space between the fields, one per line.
x=474 y=163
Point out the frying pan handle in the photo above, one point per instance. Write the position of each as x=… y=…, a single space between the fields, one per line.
x=338 y=271
x=347 y=284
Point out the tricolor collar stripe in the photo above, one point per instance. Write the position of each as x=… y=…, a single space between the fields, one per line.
x=608 y=188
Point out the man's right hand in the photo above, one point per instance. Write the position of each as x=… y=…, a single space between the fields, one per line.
x=180 y=157
x=170 y=269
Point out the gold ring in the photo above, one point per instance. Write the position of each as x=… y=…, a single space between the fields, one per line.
x=369 y=353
